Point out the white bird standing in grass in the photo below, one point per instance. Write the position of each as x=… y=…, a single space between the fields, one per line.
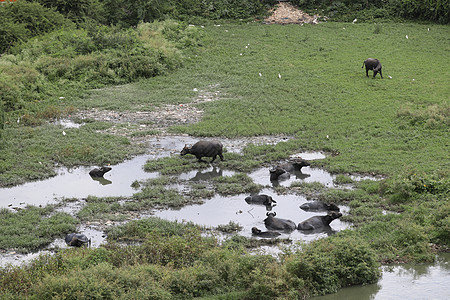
x=354 y=21
x=64 y=133
x=406 y=36
x=279 y=75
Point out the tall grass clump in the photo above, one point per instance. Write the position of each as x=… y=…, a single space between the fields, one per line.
x=327 y=265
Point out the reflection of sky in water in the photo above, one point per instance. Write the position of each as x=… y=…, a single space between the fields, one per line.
x=76 y=183
x=425 y=281
x=220 y=210
x=307 y=174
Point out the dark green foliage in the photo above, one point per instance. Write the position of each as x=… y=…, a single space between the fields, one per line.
x=77 y=11
x=22 y=20
x=131 y=12
x=347 y=10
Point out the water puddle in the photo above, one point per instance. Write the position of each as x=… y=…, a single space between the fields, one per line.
x=65 y=123
x=207 y=174
x=76 y=183
x=425 y=281
x=220 y=210
x=307 y=174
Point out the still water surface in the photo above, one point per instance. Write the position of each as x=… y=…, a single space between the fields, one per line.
x=412 y=282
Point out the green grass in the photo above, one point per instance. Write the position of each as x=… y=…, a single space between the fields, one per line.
x=395 y=126
x=32 y=228
x=41 y=147
x=377 y=125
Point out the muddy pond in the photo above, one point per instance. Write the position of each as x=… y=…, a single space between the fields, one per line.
x=218 y=210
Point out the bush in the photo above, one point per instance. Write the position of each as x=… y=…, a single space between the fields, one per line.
x=326 y=265
x=347 y=10
x=23 y=20
x=77 y=11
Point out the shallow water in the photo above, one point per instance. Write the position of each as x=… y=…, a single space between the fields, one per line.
x=220 y=210
x=426 y=281
x=76 y=183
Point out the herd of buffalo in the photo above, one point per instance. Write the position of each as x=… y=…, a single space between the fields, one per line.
x=317 y=223
x=213 y=149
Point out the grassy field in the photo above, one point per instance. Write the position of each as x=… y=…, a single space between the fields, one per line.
x=301 y=81
x=323 y=97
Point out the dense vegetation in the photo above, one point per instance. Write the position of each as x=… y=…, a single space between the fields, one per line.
x=397 y=127
x=363 y=10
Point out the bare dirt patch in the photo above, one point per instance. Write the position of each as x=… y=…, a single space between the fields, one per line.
x=286 y=13
x=158 y=120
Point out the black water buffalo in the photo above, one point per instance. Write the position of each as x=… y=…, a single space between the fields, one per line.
x=99 y=172
x=260 y=199
x=77 y=240
x=264 y=234
x=295 y=165
x=319 y=206
x=283 y=171
x=274 y=223
x=372 y=64
x=204 y=149
x=318 y=222
x=278 y=173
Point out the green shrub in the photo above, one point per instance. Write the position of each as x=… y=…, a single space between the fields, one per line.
x=403 y=187
x=23 y=20
x=20 y=85
x=78 y=11
x=347 y=10
x=327 y=265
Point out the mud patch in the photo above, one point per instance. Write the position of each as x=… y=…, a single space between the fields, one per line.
x=286 y=13
x=158 y=120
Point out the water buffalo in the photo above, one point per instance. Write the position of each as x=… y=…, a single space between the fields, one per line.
x=318 y=222
x=77 y=240
x=372 y=64
x=99 y=172
x=319 y=206
x=278 y=173
x=295 y=165
x=274 y=223
x=264 y=234
x=260 y=199
x=204 y=149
